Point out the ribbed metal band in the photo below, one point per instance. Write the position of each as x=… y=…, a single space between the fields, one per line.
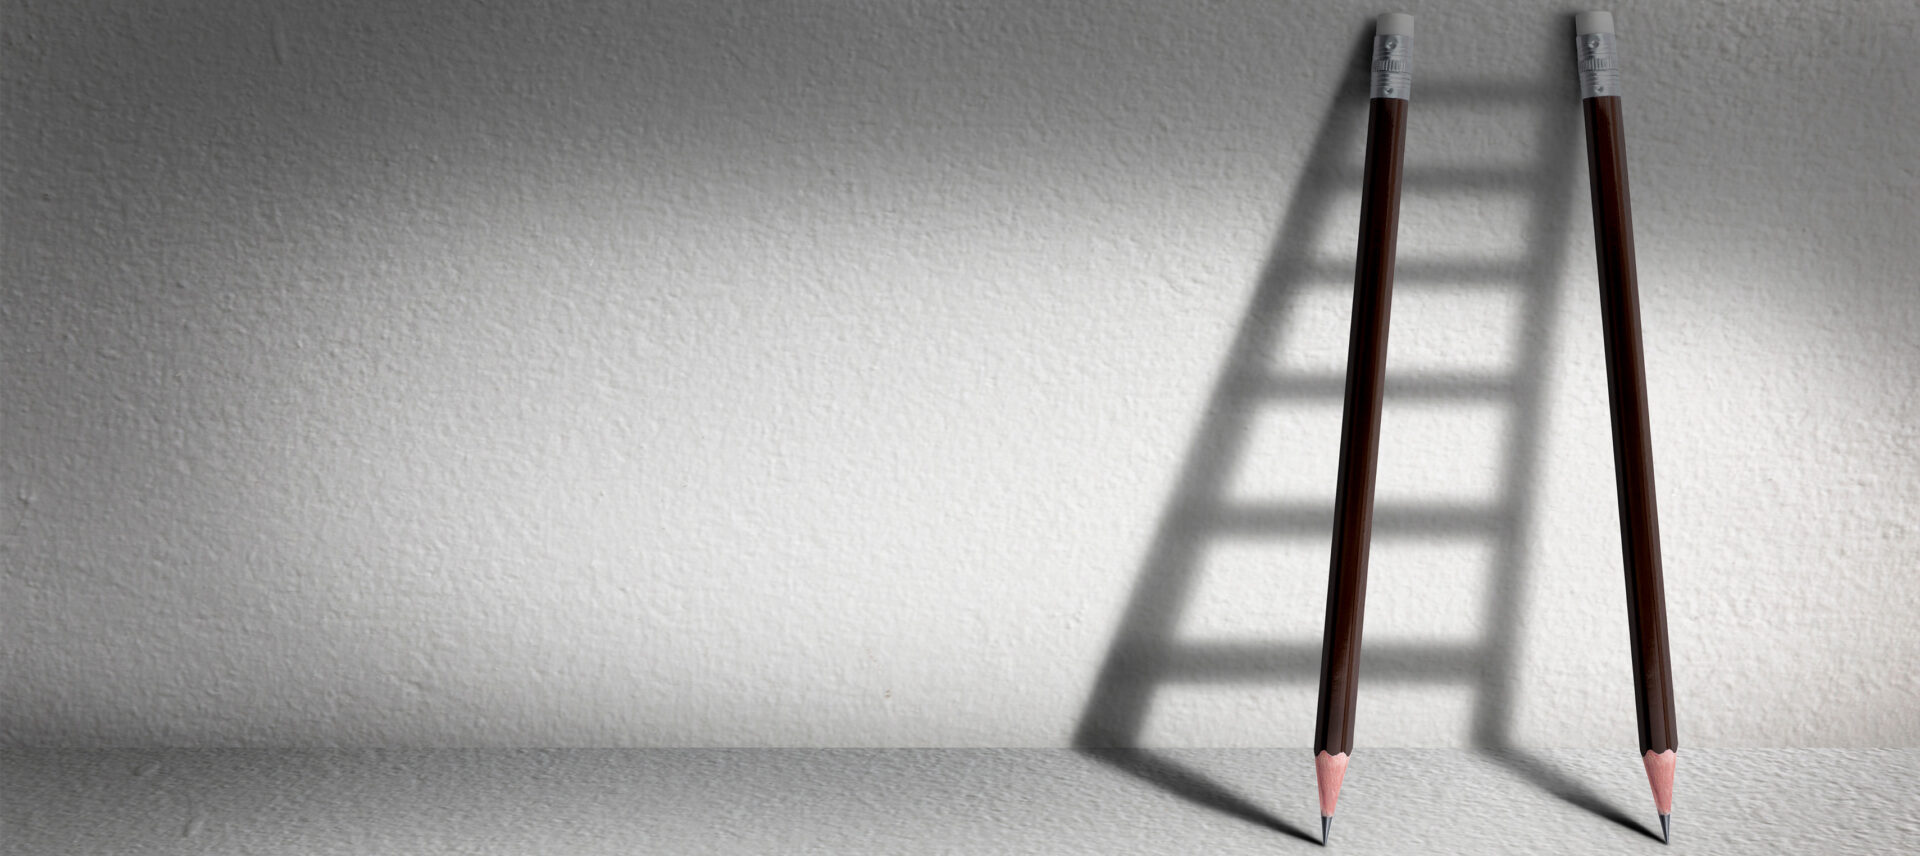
x=1598 y=60
x=1392 y=67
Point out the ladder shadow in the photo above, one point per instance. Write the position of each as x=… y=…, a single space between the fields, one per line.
x=1145 y=652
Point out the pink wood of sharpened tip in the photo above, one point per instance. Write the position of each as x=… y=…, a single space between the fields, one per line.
x=1659 y=775
x=1330 y=769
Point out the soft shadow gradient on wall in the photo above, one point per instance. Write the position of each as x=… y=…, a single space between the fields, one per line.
x=814 y=374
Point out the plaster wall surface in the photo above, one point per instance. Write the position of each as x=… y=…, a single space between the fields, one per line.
x=814 y=374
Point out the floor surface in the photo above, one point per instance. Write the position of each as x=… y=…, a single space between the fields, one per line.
x=933 y=801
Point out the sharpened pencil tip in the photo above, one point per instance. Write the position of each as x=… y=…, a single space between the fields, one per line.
x=1666 y=829
x=1326 y=824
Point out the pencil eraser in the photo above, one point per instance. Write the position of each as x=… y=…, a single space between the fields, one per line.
x=1592 y=22
x=1394 y=24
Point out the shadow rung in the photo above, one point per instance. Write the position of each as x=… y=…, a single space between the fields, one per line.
x=1255 y=519
x=1411 y=387
x=1517 y=179
x=1249 y=662
x=1419 y=272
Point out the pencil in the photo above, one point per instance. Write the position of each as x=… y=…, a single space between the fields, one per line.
x=1599 y=70
x=1392 y=81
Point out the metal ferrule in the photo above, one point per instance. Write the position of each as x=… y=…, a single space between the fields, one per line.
x=1598 y=60
x=1392 y=67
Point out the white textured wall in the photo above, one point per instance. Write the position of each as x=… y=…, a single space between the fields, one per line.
x=817 y=373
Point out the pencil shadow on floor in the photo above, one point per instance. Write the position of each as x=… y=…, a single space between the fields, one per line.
x=1543 y=774
x=1193 y=786
x=1148 y=653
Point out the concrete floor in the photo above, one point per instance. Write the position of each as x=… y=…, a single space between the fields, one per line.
x=943 y=801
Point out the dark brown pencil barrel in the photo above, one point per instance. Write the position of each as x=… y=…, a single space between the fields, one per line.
x=1632 y=439
x=1360 y=425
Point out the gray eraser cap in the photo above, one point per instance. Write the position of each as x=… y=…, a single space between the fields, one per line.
x=1394 y=24
x=1592 y=22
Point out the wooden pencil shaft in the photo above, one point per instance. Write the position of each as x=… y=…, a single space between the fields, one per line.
x=1632 y=438
x=1360 y=425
